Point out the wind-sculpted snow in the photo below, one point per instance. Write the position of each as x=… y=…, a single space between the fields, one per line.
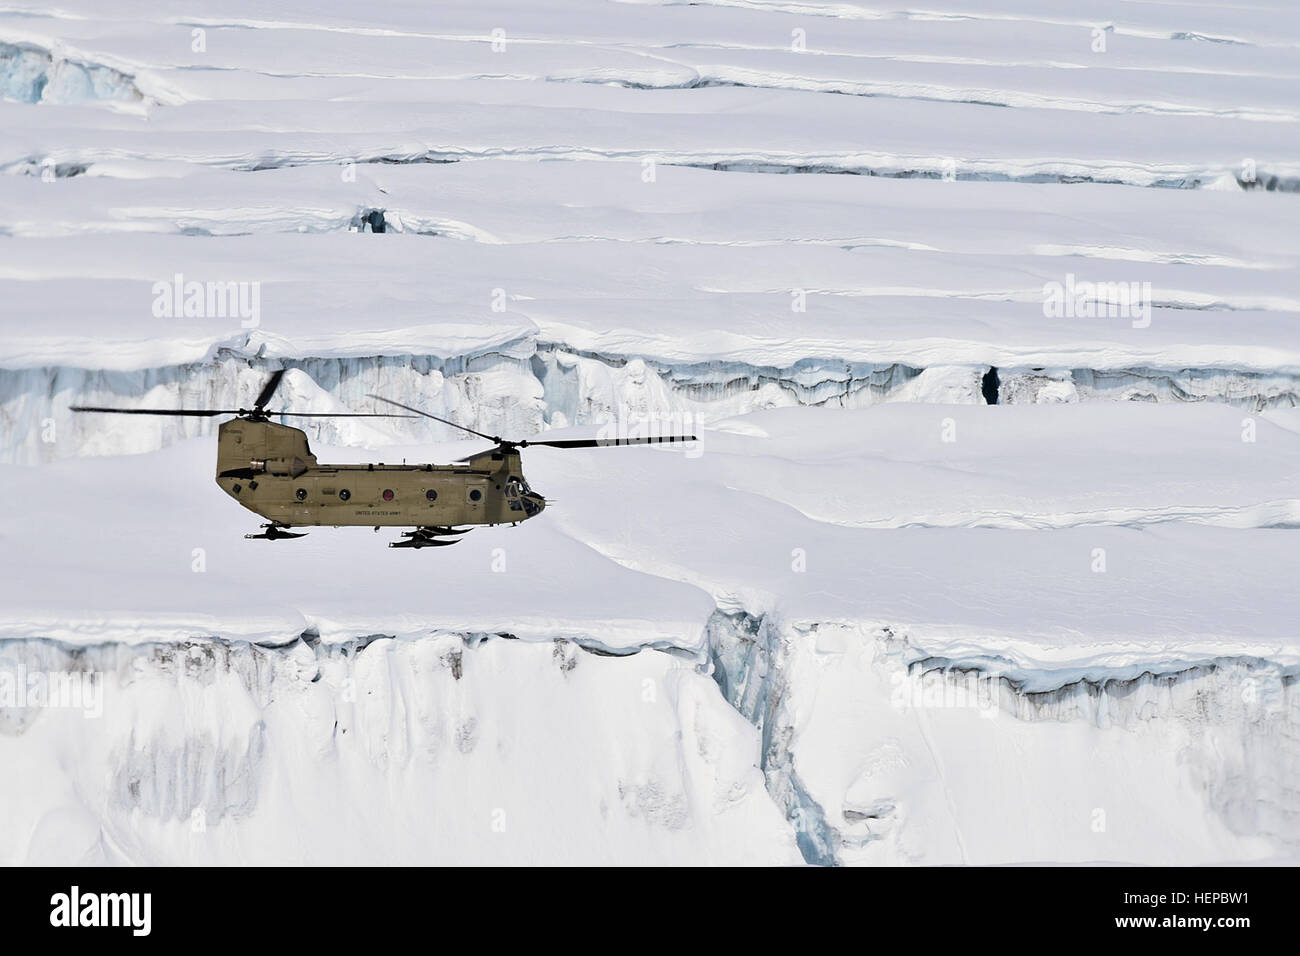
x=985 y=318
x=820 y=511
x=694 y=323
x=762 y=89
x=929 y=284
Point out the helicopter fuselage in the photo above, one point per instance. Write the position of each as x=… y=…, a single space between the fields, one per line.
x=269 y=469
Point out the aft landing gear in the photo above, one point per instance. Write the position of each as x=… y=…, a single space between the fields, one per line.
x=429 y=537
x=276 y=531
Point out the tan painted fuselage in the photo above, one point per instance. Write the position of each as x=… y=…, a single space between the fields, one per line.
x=270 y=470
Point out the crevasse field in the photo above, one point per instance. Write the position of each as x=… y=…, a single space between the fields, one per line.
x=951 y=575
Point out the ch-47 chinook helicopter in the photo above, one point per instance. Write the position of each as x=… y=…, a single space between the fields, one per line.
x=270 y=470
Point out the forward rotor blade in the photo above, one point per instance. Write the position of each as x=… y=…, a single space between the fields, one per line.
x=380 y=398
x=210 y=412
x=606 y=442
x=192 y=412
x=269 y=389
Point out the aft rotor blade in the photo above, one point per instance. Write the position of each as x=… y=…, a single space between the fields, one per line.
x=340 y=414
x=491 y=438
x=606 y=442
x=193 y=412
x=269 y=389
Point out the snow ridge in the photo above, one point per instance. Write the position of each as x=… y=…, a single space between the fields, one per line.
x=32 y=74
x=528 y=385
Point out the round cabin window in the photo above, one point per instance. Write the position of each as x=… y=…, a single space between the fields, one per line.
x=431 y=495
x=344 y=494
x=300 y=494
x=475 y=494
x=388 y=494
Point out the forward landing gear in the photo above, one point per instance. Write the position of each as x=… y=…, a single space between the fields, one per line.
x=429 y=537
x=275 y=532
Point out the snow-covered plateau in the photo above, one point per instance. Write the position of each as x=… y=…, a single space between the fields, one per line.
x=948 y=576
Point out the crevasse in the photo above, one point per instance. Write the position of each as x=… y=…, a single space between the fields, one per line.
x=525 y=386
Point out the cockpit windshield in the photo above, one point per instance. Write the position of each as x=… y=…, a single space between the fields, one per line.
x=515 y=490
x=520 y=497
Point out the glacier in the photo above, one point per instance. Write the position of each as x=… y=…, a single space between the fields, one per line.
x=944 y=579
x=526 y=385
x=278 y=741
x=837 y=682
x=30 y=74
x=210 y=749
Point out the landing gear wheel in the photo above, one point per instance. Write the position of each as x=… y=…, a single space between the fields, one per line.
x=430 y=537
x=276 y=532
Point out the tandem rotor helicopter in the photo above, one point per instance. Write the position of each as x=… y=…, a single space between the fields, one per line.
x=270 y=470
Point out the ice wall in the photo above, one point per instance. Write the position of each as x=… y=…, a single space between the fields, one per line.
x=879 y=753
x=526 y=385
x=380 y=751
x=31 y=74
x=820 y=741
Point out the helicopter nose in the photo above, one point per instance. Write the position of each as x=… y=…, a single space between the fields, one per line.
x=534 y=504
